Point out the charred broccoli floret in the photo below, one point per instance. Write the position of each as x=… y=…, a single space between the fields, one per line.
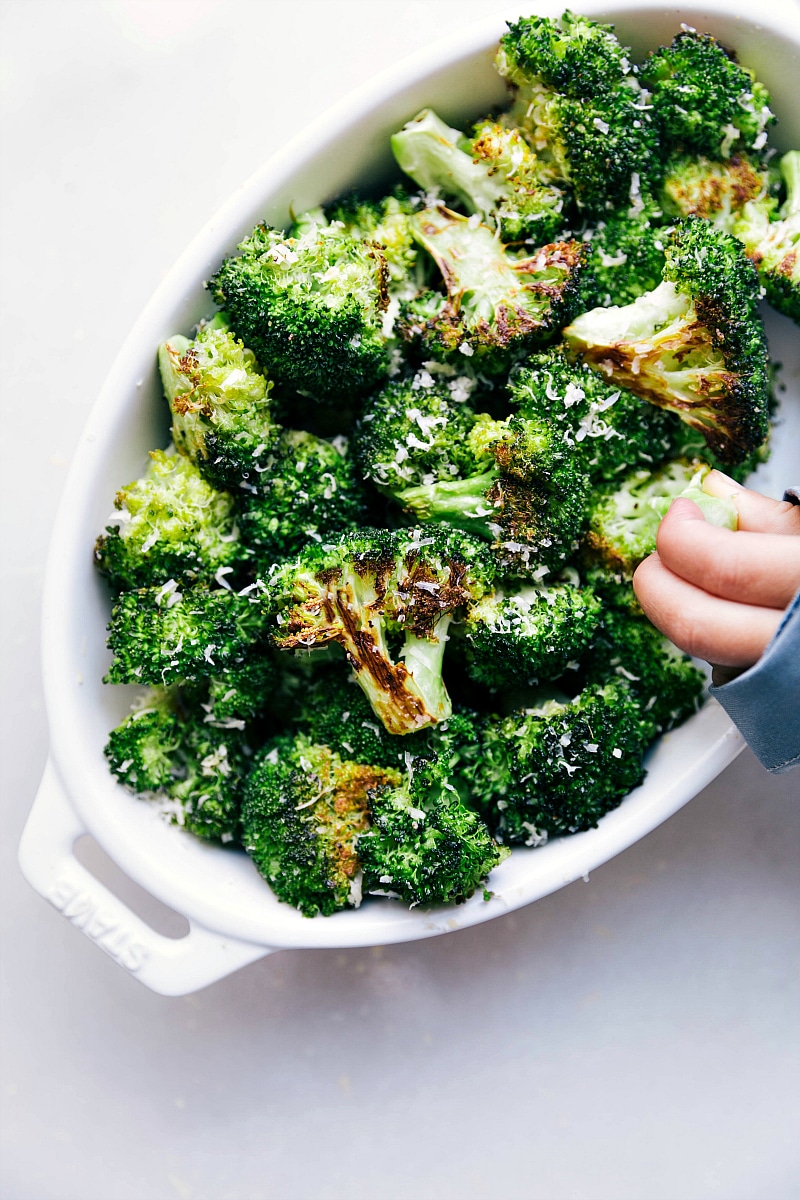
x=494 y=174
x=580 y=106
x=219 y=399
x=385 y=223
x=703 y=101
x=772 y=240
x=171 y=524
x=624 y=519
x=306 y=489
x=311 y=306
x=626 y=255
x=715 y=189
x=161 y=635
x=529 y=634
x=304 y=812
x=605 y=427
x=559 y=767
x=376 y=588
x=499 y=303
x=695 y=345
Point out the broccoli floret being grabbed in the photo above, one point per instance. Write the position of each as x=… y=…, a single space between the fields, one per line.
x=306 y=489
x=580 y=106
x=605 y=427
x=695 y=345
x=668 y=684
x=558 y=767
x=161 y=635
x=172 y=524
x=376 y=588
x=624 y=519
x=192 y=769
x=499 y=303
x=772 y=240
x=311 y=306
x=494 y=173
x=219 y=399
x=703 y=101
x=512 y=482
x=529 y=635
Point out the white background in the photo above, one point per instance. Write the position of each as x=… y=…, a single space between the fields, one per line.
x=635 y=1038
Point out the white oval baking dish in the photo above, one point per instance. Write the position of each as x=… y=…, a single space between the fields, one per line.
x=233 y=916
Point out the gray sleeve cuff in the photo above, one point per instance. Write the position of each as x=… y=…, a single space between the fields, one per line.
x=764 y=702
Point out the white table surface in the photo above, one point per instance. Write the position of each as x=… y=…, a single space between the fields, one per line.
x=633 y=1039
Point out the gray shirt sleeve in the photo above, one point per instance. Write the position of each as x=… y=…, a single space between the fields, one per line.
x=764 y=702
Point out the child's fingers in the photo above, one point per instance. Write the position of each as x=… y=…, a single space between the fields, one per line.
x=751 y=568
x=719 y=631
x=757 y=513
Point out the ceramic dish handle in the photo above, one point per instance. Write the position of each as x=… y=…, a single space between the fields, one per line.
x=171 y=966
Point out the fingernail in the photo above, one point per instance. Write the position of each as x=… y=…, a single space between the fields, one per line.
x=685 y=510
x=716 y=483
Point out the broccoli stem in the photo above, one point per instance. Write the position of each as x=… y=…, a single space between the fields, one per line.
x=460 y=502
x=424 y=658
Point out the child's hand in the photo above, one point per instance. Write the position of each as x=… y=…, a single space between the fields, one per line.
x=717 y=594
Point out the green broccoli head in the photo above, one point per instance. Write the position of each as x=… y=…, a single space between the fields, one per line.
x=529 y=634
x=695 y=345
x=624 y=518
x=383 y=223
x=580 y=107
x=605 y=427
x=498 y=303
x=168 y=750
x=494 y=174
x=304 y=813
x=772 y=240
x=703 y=101
x=219 y=399
x=626 y=254
x=311 y=306
x=425 y=846
x=172 y=523
x=668 y=684
x=162 y=635
x=307 y=489
x=376 y=590
x=414 y=432
x=557 y=768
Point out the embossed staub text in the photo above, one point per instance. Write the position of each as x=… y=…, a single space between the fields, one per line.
x=98 y=922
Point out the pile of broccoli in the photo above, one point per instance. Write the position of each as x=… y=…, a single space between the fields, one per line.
x=377 y=589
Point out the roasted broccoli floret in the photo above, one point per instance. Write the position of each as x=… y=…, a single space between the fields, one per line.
x=168 y=749
x=306 y=489
x=499 y=303
x=772 y=240
x=695 y=345
x=605 y=427
x=560 y=766
x=494 y=173
x=304 y=811
x=666 y=681
x=703 y=101
x=230 y=698
x=580 y=106
x=161 y=635
x=425 y=846
x=171 y=524
x=624 y=519
x=385 y=223
x=376 y=588
x=530 y=634
x=715 y=189
x=626 y=254
x=219 y=399
x=311 y=306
